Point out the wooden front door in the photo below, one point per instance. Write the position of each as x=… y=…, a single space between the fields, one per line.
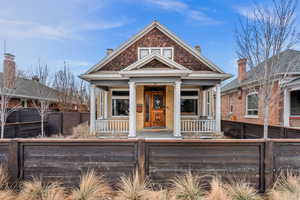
x=155 y=115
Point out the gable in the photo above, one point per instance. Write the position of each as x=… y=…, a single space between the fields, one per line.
x=155 y=64
x=155 y=38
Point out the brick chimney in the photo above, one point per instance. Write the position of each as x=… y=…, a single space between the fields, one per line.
x=198 y=49
x=109 y=51
x=9 y=71
x=242 y=65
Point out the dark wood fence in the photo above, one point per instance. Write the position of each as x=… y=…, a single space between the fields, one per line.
x=259 y=161
x=242 y=130
x=64 y=122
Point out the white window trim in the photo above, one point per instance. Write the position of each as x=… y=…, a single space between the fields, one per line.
x=161 y=50
x=117 y=97
x=25 y=103
x=191 y=97
x=290 y=98
x=246 y=114
x=230 y=104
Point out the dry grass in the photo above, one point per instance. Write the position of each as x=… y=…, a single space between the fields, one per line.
x=241 y=190
x=187 y=187
x=82 y=131
x=133 y=188
x=92 y=187
x=217 y=191
x=3 y=178
x=7 y=195
x=36 y=190
x=286 y=187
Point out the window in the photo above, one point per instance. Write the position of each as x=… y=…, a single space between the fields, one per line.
x=252 y=104
x=120 y=103
x=295 y=102
x=24 y=103
x=208 y=96
x=165 y=51
x=189 y=102
x=230 y=102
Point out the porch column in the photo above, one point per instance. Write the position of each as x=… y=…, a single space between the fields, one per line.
x=93 y=110
x=105 y=104
x=177 y=111
x=218 y=108
x=132 y=109
x=286 y=108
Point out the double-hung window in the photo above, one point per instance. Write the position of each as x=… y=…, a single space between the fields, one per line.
x=295 y=102
x=120 y=103
x=164 y=51
x=252 y=104
x=189 y=102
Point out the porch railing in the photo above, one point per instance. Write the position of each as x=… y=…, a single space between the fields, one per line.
x=112 y=126
x=197 y=126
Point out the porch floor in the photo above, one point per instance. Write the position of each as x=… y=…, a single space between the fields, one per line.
x=156 y=135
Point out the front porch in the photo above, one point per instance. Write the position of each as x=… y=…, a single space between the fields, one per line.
x=156 y=108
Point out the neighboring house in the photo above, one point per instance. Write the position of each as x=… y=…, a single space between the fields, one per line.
x=242 y=99
x=25 y=91
x=154 y=82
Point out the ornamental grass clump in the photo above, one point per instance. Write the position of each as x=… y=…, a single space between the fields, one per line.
x=36 y=190
x=3 y=178
x=286 y=187
x=92 y=187
x=187 y=187
x=217 y=190
x=241 y=190
x=133 y=187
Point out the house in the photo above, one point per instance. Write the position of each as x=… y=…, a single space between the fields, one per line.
x=25 y=91
x=242 y=101
x=154 y=82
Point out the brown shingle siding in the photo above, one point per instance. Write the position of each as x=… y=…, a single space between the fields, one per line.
x=155 y=38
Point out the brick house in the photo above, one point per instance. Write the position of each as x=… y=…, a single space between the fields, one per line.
x=26 y=91
x=154 y=82
x=241 y=99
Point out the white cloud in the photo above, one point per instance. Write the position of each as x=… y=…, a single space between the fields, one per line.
x=184 y=9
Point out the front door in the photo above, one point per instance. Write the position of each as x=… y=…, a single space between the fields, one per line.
x=155 y=115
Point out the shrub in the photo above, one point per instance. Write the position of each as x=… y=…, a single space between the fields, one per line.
x=187 y=187
x=217 y=191
x=286 y=187
x=241 y=190
x=36 y=190
x=82 y=131
x=92 y=187
x=132 y=187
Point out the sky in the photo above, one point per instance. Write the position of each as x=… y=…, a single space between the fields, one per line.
x=80 y=31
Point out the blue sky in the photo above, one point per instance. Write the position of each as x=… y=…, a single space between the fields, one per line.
x=79 y=31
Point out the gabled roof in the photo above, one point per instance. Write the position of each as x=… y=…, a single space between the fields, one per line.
x=285 y=57
x=29 y=89
x=169 y=62
x=154 y=24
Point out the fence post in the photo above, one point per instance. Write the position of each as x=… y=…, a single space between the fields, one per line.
x=141 y=159
x=13 y=160
x=243 y=131
x=269 y=164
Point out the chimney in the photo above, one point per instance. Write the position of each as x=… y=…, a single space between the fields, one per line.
x=198 y=49
x=109 y=51
x=9 y=71
x=36 y=78
x=242 y=65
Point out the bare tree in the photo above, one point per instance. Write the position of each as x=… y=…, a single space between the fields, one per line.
x=262 y=37
x=6 y=108
x=64 y=82
x=45 y=94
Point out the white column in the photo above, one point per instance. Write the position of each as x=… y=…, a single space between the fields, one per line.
x=105 y=104
x=132 y=109
x=93 y=110
x=177 y=111
x=218 y=108
x=286 y=108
